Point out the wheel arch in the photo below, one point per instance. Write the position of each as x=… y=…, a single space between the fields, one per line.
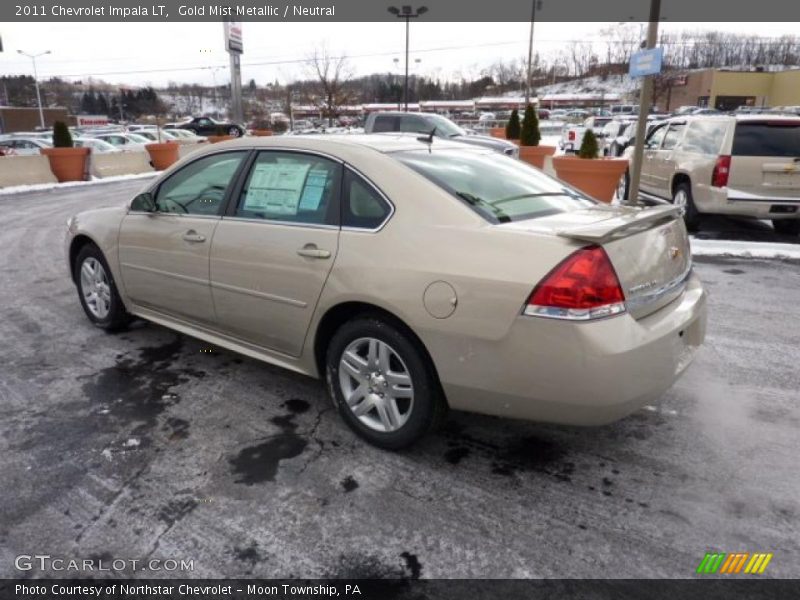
x=338 y=315
x=76 y=245
x=678 y=179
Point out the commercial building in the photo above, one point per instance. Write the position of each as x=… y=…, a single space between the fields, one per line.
x=13 y=119
x=727 y=90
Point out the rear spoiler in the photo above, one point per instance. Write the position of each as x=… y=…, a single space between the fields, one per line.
x=637 y=219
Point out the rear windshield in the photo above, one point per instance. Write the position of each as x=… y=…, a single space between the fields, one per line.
x=499 y=188
x=767 y=138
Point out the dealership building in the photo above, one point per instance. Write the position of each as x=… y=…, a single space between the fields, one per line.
x=727 y=90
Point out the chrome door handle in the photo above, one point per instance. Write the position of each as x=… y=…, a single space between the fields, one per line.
x=193 y=237
x=311 y=251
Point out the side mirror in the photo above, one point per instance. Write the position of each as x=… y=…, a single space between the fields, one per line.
x=144 y=203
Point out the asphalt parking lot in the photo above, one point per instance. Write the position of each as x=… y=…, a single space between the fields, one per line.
x=149 y=444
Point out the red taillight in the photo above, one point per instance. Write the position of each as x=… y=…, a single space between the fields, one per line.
x=571 y=136
x=584 y=286
x=722 y=168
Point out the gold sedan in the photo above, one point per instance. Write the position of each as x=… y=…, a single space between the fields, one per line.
x=413 y=275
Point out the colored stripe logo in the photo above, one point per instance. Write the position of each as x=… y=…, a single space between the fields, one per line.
x=734 y=563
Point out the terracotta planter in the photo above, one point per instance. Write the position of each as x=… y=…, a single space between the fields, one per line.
x=262 y=132
x=162 y=155
x=498 y=132
x=67 y=164
x=535 y=155
x=596 y=177
x=213 y=139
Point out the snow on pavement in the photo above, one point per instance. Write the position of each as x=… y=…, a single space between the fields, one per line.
x=740 y=249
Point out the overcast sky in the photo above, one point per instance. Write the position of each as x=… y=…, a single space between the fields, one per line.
x=155 y=53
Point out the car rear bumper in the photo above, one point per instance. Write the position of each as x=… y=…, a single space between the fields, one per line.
x=730 y=201
x=581 y=373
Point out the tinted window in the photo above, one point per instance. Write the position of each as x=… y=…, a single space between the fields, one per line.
x=704 y=137
x=288 y=186
x=499 y=188
x=362 y=205
x=767 y=138
x=673 y=136
x=199 y=188
x=384 y=123
x=414 y=125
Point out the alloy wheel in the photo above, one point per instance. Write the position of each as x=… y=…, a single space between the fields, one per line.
x=95 y=288
x=376 y=384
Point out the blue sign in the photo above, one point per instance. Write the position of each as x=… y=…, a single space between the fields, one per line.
x=646 y=62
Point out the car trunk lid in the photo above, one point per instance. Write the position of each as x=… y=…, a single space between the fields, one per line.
x=648 y=247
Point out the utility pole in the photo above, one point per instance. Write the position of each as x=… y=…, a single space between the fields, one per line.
x=33 y=57
x=535 y=4
x=645 y=99
x=407 y=13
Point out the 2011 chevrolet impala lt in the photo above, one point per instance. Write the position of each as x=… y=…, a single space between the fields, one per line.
x=413 y=275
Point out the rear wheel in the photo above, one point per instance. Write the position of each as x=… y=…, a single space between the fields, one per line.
x=787 y=226
x=97 y=290
x=682 y=197
x=382 y=383
x=234 y=131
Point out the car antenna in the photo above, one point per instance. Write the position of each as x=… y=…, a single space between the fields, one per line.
x=428 y=139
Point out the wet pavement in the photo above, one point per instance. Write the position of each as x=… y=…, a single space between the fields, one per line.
x=152 y=445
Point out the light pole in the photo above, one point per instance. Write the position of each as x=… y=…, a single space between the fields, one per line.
x=535 y=5
x=407 y=13
x=33 y=57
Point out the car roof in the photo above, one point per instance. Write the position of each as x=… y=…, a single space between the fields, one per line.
x=384 y=143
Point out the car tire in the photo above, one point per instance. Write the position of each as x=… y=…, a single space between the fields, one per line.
x=98 y=291
x=234 y=131
x=682 y=196
x=786 y=226
x=395 y=396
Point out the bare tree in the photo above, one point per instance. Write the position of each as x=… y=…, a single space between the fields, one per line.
x=332 y=74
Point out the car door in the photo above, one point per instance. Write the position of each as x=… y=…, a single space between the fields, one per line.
x=205 y=126
x=652 y=145
x=274 y=248
x=164 y=255
x=664 y=163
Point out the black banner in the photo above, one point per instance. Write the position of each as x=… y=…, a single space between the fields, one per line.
x=400 y=589
x=695 y=11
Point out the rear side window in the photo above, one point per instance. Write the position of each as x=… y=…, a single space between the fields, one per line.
x=499 y=188
x=704 y=137
x=414 y=125
x=673 y=136
x=363 y=206
x=767 y=138
x=383 y=124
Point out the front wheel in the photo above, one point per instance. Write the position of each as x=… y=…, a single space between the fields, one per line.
x=97 y=290
x=786 y=226
x=682 y=197
x=382 y=384
x=234 y=131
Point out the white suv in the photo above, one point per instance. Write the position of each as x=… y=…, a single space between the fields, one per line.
x=747 y=165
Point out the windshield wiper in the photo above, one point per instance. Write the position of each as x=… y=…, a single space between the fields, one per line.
x=480 y=202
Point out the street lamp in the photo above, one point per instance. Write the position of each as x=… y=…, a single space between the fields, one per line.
x=407 y=13
x=33 y=57
x=535 y=5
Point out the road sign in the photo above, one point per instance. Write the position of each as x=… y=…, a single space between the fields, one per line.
x=646 y=62
x=233 y=36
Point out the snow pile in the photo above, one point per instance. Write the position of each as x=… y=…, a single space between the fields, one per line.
x=621 y=85
x=737 y=249
x=39 y=187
